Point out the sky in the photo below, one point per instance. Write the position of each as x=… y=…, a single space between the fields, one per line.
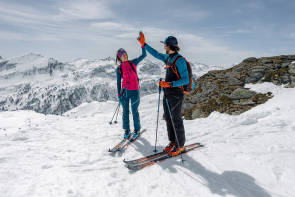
x=211 y=32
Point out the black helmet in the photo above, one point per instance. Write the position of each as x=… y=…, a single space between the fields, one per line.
x=170 y=41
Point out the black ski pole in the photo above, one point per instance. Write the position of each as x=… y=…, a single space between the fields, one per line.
x=117 y=110
x=160 y=88
x=170 y=114
x=117 y=115
x=122 y=92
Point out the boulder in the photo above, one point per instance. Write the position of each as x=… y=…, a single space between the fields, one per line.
x=198 y=114
x=266 y=61
x=292 y=68
x=285 y=65
x=285 y=79
x=251 y=60
x=241 y=93
x=234 y=82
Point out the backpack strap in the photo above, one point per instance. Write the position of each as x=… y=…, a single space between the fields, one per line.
x=131 y=64
x=174 y=68
x=120 y=70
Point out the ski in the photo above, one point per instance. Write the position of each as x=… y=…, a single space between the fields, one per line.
x=150 y=162
x=123 y=144
x=152 y=156
x=145 y=159
x=118 y=146
x=131 y=141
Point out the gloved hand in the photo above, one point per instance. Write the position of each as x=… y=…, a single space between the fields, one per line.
x=165 y=84
x=141 y=39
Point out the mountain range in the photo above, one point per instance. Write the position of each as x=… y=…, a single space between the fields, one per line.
x=48 y=86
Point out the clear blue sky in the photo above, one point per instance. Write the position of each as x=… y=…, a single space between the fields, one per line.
x=220 y=32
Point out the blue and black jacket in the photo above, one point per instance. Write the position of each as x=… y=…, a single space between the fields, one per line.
x=168 y=60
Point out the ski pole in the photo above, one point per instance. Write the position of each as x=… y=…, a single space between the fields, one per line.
x=160 y=88
x=118 y=108
x=173 y=127
x=116 y=111
x=117 y=115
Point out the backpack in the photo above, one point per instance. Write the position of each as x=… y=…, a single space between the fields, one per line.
x=132 y=67
x=191 y=85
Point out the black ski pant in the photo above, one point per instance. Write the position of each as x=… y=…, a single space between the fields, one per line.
x=175 y=99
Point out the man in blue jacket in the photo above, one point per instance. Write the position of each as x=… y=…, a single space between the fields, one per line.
x=173 y=90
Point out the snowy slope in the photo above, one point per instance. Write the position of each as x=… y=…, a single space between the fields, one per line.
x=249 y=155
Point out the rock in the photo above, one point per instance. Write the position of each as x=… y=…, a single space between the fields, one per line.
x=292 y=68
x=187 y=106
x=244 y=102
x=251 y=60
x=278 y=66
x=251 y=80
x=285 y=79
x=241 y=93
x=266 y=61
x=291 y=57
x=285 y=65
x=198 y=114
x=290 y=85
x=234 y=82
x=283 y=57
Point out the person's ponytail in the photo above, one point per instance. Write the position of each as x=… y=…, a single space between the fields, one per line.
x=117 y=58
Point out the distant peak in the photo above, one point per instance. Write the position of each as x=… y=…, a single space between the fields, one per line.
x=34 y=54
x=108 y=59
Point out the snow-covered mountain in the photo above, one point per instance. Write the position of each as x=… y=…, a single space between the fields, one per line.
x=247 y=155
x=46 y=85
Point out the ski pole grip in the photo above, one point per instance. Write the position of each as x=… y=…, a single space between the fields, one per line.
x=160 y=86
x=123 y=91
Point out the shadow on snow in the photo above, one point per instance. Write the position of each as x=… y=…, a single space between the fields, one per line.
x=228 y=183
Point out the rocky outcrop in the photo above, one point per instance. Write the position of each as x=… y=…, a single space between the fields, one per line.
x=224 y=91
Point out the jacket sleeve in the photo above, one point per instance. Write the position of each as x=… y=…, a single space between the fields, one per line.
x=156 y=54
x=140 y=58
x=182 y=70
x=118 y=80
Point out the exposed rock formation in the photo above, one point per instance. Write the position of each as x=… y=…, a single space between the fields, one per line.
x=224 y=91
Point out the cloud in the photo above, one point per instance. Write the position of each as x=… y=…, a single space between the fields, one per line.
x=193 y=15
x=210 y=51
x=83 y=9
x=26 y=16
x=112 y=26
x=93 y=24
x=196 y=47
x=292 y=35
x=14 y=36
x=62 y=12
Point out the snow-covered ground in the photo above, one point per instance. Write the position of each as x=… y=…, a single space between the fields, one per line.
x=249 y=155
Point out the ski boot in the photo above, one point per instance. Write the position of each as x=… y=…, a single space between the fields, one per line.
x=135 y=134
x=127 y=134
x=169 y=147
x=176 y=151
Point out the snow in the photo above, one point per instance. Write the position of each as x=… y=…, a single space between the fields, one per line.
x=248 y=155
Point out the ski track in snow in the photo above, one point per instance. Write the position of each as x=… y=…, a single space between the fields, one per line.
x=249 y=155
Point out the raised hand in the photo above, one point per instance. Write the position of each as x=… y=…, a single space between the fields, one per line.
x=141 y=39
